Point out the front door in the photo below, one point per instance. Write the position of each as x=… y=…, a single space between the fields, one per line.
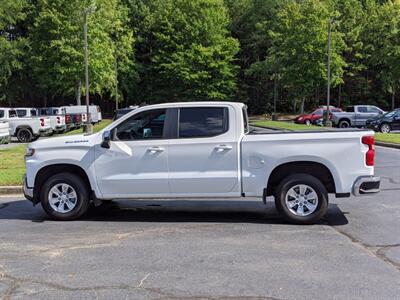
x=203 y=159
x=136 y=163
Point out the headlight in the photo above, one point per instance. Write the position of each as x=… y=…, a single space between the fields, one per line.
x=300 y=118
x=29 y=152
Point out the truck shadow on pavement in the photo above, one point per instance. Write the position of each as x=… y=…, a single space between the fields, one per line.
x=179 y=211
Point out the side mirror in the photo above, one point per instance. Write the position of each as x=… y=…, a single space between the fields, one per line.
x=106 y=140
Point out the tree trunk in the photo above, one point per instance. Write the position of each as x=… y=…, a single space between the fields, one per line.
x=78 y=92
x=393 y=96
x=340 y=95
x=302 y=105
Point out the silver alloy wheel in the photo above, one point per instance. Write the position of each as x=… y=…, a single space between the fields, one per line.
x=301 y=200
x=62 y=198
x=308 y=122
x=385 y=128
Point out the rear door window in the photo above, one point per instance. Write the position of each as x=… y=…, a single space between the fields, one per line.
x=12 y=113
x=362 y=109
x=200 y=122
x=21 y=113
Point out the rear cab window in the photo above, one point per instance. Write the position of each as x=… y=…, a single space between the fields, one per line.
x=21 y=113
x=202 y=122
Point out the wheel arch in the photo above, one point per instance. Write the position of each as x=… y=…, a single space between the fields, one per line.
x=50 y=170
x=316 y=169
x=344 y=119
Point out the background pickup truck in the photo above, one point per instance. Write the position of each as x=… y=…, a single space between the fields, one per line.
x=355 y=116
x=199 y=150
x=25 y=129
x=58 y=118
x=4 y=132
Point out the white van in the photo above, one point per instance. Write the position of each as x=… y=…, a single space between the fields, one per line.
x=94 y=110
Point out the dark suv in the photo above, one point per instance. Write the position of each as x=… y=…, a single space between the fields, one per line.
x=385 y=123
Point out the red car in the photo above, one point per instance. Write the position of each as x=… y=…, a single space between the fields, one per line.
x=312 y=117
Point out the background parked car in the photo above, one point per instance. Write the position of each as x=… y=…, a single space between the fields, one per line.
x=315 y=115
x=355 y=116
x=123 y=111
x=385 y=123
x=60 y=121
x=94 y=110
x=5 y=136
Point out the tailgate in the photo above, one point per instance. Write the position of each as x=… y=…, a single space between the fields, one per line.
x=4 y=129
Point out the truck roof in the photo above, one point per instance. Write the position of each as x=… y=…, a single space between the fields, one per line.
x=198 y=103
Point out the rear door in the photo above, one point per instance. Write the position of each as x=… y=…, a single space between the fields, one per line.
x=203 y=159
x=396 y=121
x=361 y=115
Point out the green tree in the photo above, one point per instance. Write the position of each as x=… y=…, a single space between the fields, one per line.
x=298 y=50
x=382 y=39
x=58 y=52
x=184 y=50
x=11 y=43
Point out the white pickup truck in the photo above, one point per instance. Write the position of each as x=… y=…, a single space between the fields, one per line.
x=4 y=132
x=25 y=129
x=199 y=150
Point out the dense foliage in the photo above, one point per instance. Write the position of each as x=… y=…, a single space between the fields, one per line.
x=180 y=50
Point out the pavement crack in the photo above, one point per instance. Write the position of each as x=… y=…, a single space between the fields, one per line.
x=143 y=280
x=375 y=250
x=18 y=282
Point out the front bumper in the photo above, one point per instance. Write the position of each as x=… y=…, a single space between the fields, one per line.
x=366 y=185
x=28 y=192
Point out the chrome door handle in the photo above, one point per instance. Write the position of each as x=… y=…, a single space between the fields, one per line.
x=155 y=149
x=223 y=147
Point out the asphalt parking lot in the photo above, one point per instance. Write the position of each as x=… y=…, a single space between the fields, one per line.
x=206 y=250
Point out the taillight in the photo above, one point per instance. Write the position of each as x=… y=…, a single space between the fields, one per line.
x=77 y=118
x=58 y=120
x=66 y=118
x=370 y=155
x=42 y=122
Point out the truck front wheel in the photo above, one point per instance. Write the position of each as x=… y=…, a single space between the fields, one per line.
x=301 y=199
x=65 y=197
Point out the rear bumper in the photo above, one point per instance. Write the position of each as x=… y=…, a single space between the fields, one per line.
x=366 y=185
x=46 y=131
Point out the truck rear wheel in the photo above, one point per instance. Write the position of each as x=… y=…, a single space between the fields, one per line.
x=24 y=135
x=65 y=197
x=344 y=124
x=301 y=199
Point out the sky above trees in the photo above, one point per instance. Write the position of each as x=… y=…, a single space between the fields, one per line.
x=180 y=50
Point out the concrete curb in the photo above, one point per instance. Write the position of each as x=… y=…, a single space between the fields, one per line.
x=11 y=190
x=388 y=145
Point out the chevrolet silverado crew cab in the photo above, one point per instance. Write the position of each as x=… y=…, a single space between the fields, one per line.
x=25 y=129
x=199 y=150
x=355 y=116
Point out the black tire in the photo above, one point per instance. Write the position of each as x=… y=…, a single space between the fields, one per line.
x=24 y=135
x=303 y=179
x=344 y=124
x=82 y=199
x=385 y=128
